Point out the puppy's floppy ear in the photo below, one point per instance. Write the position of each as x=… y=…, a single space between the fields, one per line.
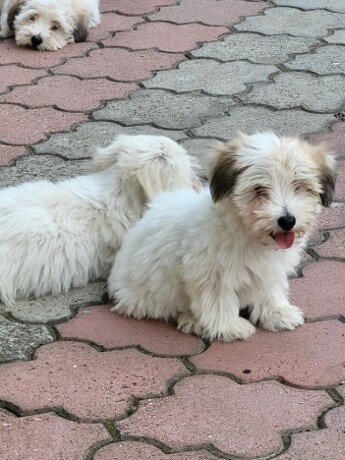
x=81 y=31
x=326 y=164
x=224 y=171
x=14 y=9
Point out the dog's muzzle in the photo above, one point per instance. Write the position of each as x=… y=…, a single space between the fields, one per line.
x=36 y=40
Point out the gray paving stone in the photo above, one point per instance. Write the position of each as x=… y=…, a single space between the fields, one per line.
x=211 y=76
x=276 y=21
x=251 y=119
x=88 y=136
x=327 y=60
x=255 y=48
x=337 y=6
x=164 y=109
x=202 y=150
x=337 y=37
x=36 y=167
x=18 y=341
x=56 y=308
x=299 y=89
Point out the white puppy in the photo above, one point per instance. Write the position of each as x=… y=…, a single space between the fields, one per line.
x=54 y=236
x=201 y=258
x=48 y=24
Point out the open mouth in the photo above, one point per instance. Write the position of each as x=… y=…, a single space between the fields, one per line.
x=284 y=239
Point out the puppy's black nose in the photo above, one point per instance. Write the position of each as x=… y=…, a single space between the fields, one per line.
x=36 y=40
x=286 y=222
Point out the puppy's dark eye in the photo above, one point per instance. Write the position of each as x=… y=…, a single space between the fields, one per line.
x=261 y=191
x=55 y=27
x=33 y=17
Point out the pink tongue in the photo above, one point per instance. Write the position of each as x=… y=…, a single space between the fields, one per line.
x=285 y=240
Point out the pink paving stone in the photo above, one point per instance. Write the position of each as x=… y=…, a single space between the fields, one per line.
x=320 y=292
x=310 y=356
x=86 y=383
x=165 y=36
x=10 y=53
x=110 y=330
x=242 y=420
x=9 y=153
x=333 y=247
x=112 y=22
x=134 y=6
x=46 y=437
x=323 y=444
x=335 y=138
x=333 y=217
x=21 y=126
x=142 y=451
x=68 y=93
x=119 y=64
x=340 y=184
x=212 y=12
x=12 y=75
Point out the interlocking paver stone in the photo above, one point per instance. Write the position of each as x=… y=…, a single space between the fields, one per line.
x=166 y=110
x=20 y=126
x=255 y=48
x=110 y=330
x=165 y=36
x=46 y=437
x=83 y=142
x=134 y=450
x=250 y=119
x=331 y=5
x=320 y=94
x=322 y=444
x=12 y=75
x=293 y=22
x=333 y=247
x=340 y=184
x=321 y=290
x=134 y=6
x=68 y=93
x=8 y=154
x=335 y=139
x=119 y=64
x=49 y=309
x=86 y=383
x=199 y=410
x=309 y=362
x=326 y=60
x=112 y=22
x=211 y=76
x=18 y=341
x=48 y=167
x=333 y=217
x=212 y=12
x=10 y=53
x=337 y=37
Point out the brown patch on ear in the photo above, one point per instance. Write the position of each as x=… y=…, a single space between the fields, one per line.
x=326 y=165
x=81 y=31
x=223 y=171
x=13 y=12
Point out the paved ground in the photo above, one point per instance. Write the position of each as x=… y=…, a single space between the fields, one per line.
x=78 y=382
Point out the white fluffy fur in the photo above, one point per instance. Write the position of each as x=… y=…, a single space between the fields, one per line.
x=201 y=258
x=54 y=236
x=54 y=22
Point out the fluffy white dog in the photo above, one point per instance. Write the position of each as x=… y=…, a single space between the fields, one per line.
x=54 y=236
x=48 y=24
x=201 y=258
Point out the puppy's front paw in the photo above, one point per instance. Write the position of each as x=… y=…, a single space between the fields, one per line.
x=279 y=318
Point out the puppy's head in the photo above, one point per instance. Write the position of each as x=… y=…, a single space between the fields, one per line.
x=46 y=25
x=277 y=184
x=147 y=165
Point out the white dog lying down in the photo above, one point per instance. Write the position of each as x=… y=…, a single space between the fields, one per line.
x=200 y=258
x=48 y=24
x=54 y=236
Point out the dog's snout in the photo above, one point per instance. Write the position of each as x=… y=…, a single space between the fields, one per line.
x=36 y=40
x=286 y=222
